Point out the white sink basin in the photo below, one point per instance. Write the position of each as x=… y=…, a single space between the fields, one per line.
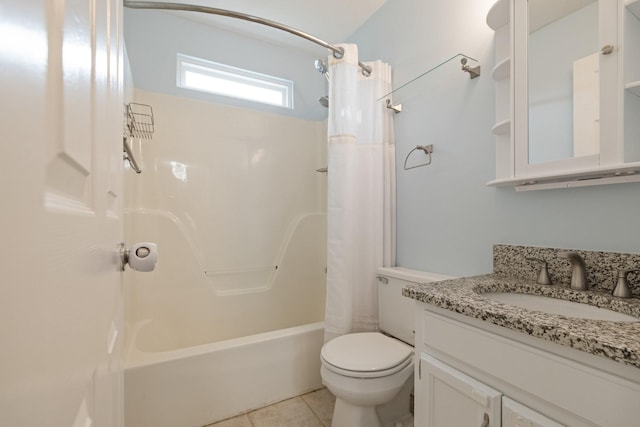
x=559 y=306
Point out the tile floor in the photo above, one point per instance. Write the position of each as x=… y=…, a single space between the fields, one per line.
x=313 y=409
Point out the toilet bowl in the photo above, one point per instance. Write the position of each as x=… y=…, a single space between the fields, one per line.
x=364 y=370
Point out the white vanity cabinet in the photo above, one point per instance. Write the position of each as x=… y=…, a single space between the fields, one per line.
x=450 y=398
x=473 y=373
x=517 y=415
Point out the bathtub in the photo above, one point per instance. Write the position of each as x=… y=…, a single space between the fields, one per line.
x=196 y=352
x=196 y=386
x=227 y=320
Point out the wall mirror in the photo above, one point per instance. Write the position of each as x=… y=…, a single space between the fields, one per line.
x=566 y=86
x=563 y=83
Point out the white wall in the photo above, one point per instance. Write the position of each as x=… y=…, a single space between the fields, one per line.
x=224 y=192
x=448 y=219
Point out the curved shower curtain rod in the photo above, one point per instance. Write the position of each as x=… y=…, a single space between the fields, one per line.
x=337 y=51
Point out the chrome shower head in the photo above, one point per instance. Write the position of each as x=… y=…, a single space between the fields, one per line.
x=322 y=68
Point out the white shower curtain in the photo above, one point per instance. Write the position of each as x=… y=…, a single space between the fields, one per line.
x=361 y=192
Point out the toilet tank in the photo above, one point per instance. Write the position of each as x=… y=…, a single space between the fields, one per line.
x=396 y=313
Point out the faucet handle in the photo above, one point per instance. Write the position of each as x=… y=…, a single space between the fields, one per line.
x=543 y=274
x=622 y=289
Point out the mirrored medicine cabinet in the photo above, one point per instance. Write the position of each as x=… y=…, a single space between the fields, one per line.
x=567 y=92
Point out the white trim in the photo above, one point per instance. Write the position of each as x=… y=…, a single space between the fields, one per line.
x=628 y=170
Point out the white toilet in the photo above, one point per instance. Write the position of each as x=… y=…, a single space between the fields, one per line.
x=367 y=370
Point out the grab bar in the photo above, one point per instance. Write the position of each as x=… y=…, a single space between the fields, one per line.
x=128 y=156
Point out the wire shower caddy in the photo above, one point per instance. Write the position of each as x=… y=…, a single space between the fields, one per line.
x=139 y=123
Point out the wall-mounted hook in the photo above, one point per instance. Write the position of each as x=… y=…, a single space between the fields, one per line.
x=427 y=149
x=473 y=72
x=396 y=108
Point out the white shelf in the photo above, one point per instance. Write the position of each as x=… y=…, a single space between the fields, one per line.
x=498 y=15
x=633 y=6
x=502 y=70
x=633 y=87
x=501 y=128
x=626 y=172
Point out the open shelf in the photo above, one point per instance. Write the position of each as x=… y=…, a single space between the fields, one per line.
x=633 y=87
x=502 y=70
x=614 y=174
x=501 y=128
x=634 y=7
x=498 y=15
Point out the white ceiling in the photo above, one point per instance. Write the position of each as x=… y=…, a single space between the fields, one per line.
x=330 y=20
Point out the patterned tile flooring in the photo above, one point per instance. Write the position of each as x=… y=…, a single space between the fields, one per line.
x=313 y=409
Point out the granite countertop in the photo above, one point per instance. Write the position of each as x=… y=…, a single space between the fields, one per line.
x=618 y=341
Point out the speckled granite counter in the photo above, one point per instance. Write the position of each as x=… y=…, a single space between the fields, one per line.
x=618 y=341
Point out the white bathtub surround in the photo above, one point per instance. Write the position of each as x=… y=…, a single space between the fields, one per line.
x=229 y=320
x=177 y=306
x=361 y=192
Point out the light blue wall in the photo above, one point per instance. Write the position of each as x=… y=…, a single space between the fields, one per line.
x=154 y=38
x=448 y=219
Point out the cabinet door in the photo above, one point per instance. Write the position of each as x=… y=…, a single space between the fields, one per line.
x=447 y=397
x=567 y=93
x=516 y=415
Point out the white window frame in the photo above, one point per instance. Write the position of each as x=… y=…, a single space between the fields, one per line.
x=220 y=79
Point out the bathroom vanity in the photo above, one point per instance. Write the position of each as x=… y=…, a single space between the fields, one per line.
x=488 y=363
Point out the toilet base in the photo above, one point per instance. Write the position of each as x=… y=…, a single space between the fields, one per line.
x=348 y=415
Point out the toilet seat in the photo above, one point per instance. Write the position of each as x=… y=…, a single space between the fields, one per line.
x=366 y=355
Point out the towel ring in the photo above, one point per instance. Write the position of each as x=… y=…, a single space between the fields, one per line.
x=428 y=150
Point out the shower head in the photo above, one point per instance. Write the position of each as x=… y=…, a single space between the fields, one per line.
x=322 y=68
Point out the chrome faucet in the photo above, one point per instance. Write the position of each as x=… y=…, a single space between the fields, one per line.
x=578 y=270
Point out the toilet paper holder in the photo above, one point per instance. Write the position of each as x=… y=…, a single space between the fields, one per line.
x=141 y=257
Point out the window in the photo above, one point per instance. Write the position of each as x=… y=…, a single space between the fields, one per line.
x=206 y=76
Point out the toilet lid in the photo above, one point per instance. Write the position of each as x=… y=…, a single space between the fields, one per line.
x=366 y=352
